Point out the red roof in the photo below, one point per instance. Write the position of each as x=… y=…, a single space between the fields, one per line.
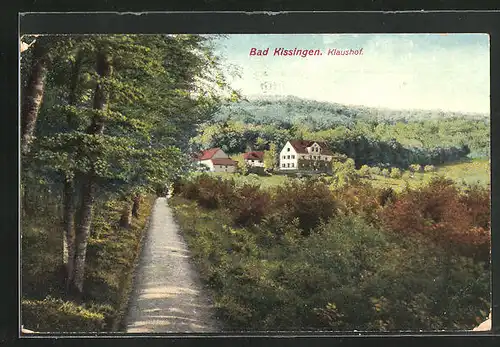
x=208 y=154
x=224 y=161
x=253 y=155
x=300 y=146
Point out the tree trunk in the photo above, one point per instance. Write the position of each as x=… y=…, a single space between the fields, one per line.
x=69 y=189
x=33 y=95
x=103 y=68
x=69 y=231
x=136 y=205
x=82 y=232
x=126 y=217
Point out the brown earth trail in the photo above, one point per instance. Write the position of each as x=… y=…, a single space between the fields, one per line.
x=167 y=294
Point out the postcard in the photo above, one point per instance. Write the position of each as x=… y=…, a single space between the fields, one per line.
x=189 y=183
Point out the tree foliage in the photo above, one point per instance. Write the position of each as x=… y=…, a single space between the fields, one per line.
x=116 y=120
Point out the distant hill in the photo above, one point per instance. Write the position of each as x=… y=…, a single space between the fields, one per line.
x=290 y=110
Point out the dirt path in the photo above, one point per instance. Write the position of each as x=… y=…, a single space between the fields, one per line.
x=167 y=294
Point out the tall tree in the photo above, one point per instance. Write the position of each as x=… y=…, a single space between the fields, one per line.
x=271 y=157
x=131 y=104
x=33 y=92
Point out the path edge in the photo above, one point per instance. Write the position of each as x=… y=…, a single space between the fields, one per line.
x=120 y=324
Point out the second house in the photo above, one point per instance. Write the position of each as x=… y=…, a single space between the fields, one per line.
x=217 y=161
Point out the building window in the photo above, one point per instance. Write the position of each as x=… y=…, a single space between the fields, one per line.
x=283 y=165
x=288 y=165
x=288 y=149
x=284 y=157
x=293 y=164
x=288 y=157
x=293 y=156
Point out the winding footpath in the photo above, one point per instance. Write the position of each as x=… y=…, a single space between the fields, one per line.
x=167 y=294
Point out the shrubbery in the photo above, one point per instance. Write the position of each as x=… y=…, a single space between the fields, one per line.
x=395 y=173
x=345 y=275
x=441 y=213
x=429 y=168
x=310 y=202
x=249 y=205
x=415 y=168
x=210 y=192
x=364 y=171
x=56 y=315
x=375 y=170
x=311 y=256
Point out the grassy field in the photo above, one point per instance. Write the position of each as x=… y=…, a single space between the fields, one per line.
x=472 y=172
x=475 y=171
x=264 y=181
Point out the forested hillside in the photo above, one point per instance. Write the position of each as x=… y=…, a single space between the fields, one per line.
x=288 y=111
x=369 y=136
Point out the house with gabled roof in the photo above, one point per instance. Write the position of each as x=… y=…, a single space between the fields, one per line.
x=306 y=155
x=216 y=160
x=254 y=159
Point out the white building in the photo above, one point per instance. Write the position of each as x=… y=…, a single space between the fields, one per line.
x=216 y=160
x=254 y=159
x=305 y=155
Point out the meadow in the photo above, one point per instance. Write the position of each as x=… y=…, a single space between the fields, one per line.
x=465 y=172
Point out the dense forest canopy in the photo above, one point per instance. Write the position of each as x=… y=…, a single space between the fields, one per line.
x=290 y=110
x=370 y=136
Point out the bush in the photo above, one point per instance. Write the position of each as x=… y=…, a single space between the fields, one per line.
x=375 y=170
x=249 y=205
x=429 y=168
x=395 y=173
x=439 y=212
x=210 y=192
x=55 y=315
x=415 y=168
x=360 y=199
x=310 y=202
x=364 y=171
x=385 y=172
x=386 y=196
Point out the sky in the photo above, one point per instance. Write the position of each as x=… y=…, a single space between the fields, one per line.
x=448 y=72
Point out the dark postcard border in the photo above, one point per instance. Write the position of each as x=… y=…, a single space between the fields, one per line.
x=249 y=5
x=415 y=22
x=255 y=22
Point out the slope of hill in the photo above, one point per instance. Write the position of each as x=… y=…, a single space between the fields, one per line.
x=288 y=111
